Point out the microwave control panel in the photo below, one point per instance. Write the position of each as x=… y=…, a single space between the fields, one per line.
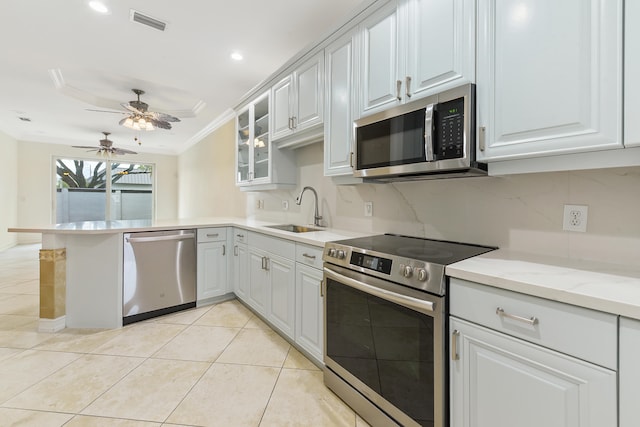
x=449 y=130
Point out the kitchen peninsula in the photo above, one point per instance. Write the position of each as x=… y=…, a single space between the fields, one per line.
x=87 y=287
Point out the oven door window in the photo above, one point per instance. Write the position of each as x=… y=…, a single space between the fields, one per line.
x=386 y=346
x=391 y=142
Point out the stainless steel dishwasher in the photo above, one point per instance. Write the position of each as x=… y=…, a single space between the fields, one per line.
x=159 y=273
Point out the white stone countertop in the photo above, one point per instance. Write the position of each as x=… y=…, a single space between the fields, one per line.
x=610 y=288
x=314 y=238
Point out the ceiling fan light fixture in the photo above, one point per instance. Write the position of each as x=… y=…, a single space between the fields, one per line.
x=149 y=126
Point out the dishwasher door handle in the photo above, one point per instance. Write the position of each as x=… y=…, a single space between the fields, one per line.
x=160 y=238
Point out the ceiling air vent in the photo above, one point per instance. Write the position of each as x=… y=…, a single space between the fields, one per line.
x=147 y=20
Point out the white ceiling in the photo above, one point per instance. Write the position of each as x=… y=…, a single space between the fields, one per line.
x=59 y=58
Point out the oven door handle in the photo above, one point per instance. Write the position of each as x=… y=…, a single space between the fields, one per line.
x=407 y=301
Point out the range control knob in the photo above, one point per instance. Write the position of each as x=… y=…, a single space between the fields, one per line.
x=401 y=270
x=332 y=253
x=341 y=254
x=422 y=274
x=408 y=271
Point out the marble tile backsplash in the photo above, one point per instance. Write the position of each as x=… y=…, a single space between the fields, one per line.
x=519 y=212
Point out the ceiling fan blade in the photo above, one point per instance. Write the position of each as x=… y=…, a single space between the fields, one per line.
x=161 y=124
x=130 y=108
x=123 y=151
x=85 y=146
x=105 y=111
x=164 y=117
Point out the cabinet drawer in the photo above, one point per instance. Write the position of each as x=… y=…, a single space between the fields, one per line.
x=309 y=255
x=216 y=234
x=240 y=236
x=273 y=245
x=583 y=333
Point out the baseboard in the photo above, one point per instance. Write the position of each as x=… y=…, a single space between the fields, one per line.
x=215 y=300
x=52 y=325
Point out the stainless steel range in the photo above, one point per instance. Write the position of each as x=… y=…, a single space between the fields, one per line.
x=385 y=317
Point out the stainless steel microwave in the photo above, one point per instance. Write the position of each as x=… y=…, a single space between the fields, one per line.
x=433 y=137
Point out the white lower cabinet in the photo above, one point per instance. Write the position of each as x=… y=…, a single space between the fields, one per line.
x=258 y=280
x=309 y=315
x=629 y=371
x=501 y=381
x=212 y=264
x=271 y=280
x=241 y=270
x=508 y=367
x=281 y=307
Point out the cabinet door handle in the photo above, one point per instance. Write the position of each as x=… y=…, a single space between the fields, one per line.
x=235 y=250
x=322 y=288
x=351 y=160
x=408 y=84
x=290 y=123
x=264 y=262
x=481 y=138
x=309 y=256
x=528 y=320
x=213 y=235
x=240 y=235
x=224 y=250
x=454 y=345
x=398 y=89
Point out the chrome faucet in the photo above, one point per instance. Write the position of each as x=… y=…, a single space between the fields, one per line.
x=316 y=216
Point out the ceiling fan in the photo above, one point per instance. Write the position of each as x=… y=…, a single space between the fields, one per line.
x=140 y=118
x=106 y=147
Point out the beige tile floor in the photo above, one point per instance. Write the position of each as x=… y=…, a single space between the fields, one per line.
x=211 y=366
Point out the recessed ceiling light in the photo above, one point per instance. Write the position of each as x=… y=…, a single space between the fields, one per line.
x=236 y=56
x=98 y=6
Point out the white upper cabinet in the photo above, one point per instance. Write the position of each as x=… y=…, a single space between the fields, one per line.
x=440 y=46
x=297 y=104
x=339 y=105
x=548 y=77
x=414 y=48
x=380 y=60
x=258 y=166
x=282 y=111
x=632 y=74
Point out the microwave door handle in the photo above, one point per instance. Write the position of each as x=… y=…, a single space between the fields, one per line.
x=428 y=133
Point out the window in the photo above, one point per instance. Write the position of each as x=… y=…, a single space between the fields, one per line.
x=82 y=187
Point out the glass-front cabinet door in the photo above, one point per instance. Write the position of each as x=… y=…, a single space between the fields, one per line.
x=261 y=138
x=253 y=144
x=243 y=152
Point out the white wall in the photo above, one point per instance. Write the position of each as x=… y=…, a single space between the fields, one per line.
x=207 y=177
x=8 y=190
x=521 y=212
x=37 y=177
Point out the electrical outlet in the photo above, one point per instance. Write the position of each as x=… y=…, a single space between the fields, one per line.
x=575 y=218
x=368 y=208
x=285 y=205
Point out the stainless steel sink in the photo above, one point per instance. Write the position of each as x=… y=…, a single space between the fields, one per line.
x=293 y=228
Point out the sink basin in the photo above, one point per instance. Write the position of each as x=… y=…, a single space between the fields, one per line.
x=293 y=228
